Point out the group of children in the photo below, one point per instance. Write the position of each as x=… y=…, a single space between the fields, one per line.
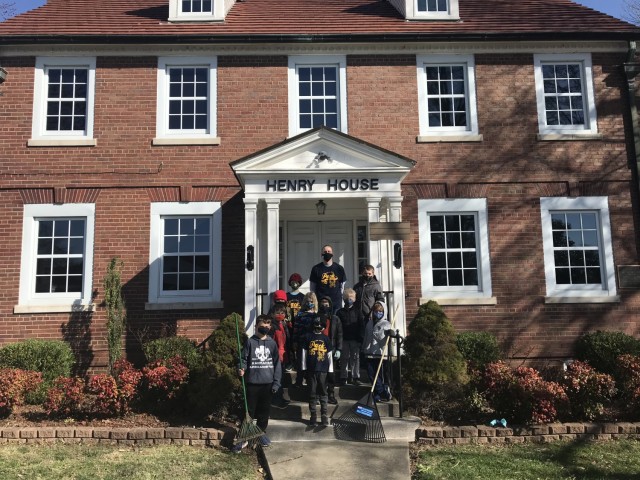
x=304 y=334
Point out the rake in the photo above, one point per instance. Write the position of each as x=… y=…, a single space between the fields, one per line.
x=248 y=429
x=362 y=423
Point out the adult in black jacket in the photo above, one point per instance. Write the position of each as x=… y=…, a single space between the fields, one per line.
x=352 y=335
x=332 y=328
x=368 y=292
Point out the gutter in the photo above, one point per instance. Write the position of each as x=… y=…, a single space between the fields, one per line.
x=631 y=70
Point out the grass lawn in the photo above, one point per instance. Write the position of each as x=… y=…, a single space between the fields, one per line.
x=616 y=460
x=93 y=462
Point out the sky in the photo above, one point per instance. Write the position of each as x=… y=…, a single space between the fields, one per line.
x=614 y=8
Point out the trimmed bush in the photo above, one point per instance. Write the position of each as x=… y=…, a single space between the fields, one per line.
x=521 y=395
x=113 y=395
x=162 y=383
x=52 y=358
x=478 y=349
x=628 y=374
x=588 y=391
x=162 y=349
x=14 y=385
x=432 y=357
x=66 y=398
x=601 y=349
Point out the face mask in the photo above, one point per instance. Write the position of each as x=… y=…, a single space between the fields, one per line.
x=327 y=256
x=310 y=306
x=349 y=302
x=279 y=316
x=294 y=285
x=263 y=330
x=378 y=315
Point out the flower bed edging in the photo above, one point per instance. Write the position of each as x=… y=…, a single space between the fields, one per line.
x=481 y=434
x=201 y=437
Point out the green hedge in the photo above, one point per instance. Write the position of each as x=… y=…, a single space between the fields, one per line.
x=53 y=358
x=600 y=349
x=478 y=348
x=168 y=347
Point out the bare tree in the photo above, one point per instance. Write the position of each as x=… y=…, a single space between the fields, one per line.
x=631 y=12
x=7 y=10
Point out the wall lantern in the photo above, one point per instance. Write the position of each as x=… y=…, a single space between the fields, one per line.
x=321 y=206
x=397 y=255
x=250 y=257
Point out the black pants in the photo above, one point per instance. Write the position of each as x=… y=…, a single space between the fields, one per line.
x=259 y=403
x=317 y=390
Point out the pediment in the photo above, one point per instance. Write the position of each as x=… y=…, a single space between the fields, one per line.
x=320 y=151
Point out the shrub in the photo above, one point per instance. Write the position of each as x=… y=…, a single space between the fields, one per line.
x=628 y=374
x=600 y=349
x=105 y=390
x=66 y=398
x=163 y=349
x=128 y=381
x=14 y=385
x=115 y=309
x=521 y=395
x=432 y=357
x=163 y=381
x=53 y=358
x=478 y=349
x=588 y=391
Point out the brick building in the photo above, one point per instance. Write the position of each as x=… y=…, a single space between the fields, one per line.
x=476 y=152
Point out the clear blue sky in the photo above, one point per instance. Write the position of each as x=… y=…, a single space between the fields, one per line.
x=611 y=7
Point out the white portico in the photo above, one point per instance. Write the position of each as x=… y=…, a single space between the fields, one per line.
x=320 y=187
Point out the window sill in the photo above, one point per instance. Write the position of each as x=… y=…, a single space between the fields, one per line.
x=183 y=305
x=69 y=308
x=462 y=300
x=59 y=142
x=561 y=137
x=448 y=138
x=586 y=299
x=185 y=141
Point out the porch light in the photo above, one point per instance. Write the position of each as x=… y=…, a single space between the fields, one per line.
x=321 y=206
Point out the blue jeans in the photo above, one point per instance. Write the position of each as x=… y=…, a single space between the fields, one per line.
x=380 y=388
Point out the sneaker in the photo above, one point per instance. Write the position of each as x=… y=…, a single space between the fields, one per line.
x=325 y=421
x=237 y=448
x=332 y=400
x=357 y=382
x=265 y=441
x=288 y=368
x=342 y=382
x=313 y=422
x=377 y=399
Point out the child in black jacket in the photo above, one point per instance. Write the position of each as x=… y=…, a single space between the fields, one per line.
x=317 y=361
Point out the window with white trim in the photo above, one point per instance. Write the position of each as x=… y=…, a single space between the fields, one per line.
x=447 y=95
x=186 y=98
x=63 y=98
x=317 y=93
x=57 y=256
x=196 y=10
x=454 y=248
x=564 y=92
x=185 y=252
x=433 y=9
x=578 y=256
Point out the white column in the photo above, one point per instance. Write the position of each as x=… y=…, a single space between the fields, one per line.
x=373 y=209
x=397 y=274
x=272 y=243
x=250 y=277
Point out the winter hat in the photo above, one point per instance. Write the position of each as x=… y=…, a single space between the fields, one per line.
x=279 y=296
x=295 y=277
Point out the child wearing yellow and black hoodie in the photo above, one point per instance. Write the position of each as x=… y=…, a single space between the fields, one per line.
x=317 y=361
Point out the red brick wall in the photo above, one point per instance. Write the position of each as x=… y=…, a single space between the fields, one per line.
x=511 y=168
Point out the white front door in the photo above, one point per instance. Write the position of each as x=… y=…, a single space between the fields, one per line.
x=304 y=247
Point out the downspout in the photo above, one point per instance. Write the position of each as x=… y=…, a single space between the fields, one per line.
x=631 y=70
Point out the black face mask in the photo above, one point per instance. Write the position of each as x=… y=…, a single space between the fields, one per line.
x=263 y=330
x=327 y=256
x=325 y=308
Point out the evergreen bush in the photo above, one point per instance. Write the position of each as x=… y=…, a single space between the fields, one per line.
x=589 y=391
x=478 y=349
x=601 y=349
x=52 y=358
x=163 y=349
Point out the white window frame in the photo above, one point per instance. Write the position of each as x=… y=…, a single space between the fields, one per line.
x=482 y=294
x=206 y=299
x=422 y=61
x=584 y=292
x=28 y=300
x=177 y=15
x=165 y=136
x=40 y=136
x=452 y=12
x=339 y=61
x=590 y=126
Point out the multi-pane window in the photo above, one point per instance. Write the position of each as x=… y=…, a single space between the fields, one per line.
x=454 y=260
x=60 y=255
x=563 y=97
x=577 y=246
x=318 y=96
x=67 y=99
x=454 y=249
x=63 y=101
x=186 y=260
x=576 y=250
x=186 y=101
x=446 y=96
x=564 y=91
x=197 y=6
x=188 y=98
x=317 y=92
x=433 y=5
x=363 y=247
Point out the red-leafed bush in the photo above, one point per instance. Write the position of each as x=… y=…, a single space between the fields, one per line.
x=588 y=390
x=628 y=374
x=128 y=381
x=164 y=380
x=14 y=385
x=104 y=389
x=521 y=395
x=66 y=398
